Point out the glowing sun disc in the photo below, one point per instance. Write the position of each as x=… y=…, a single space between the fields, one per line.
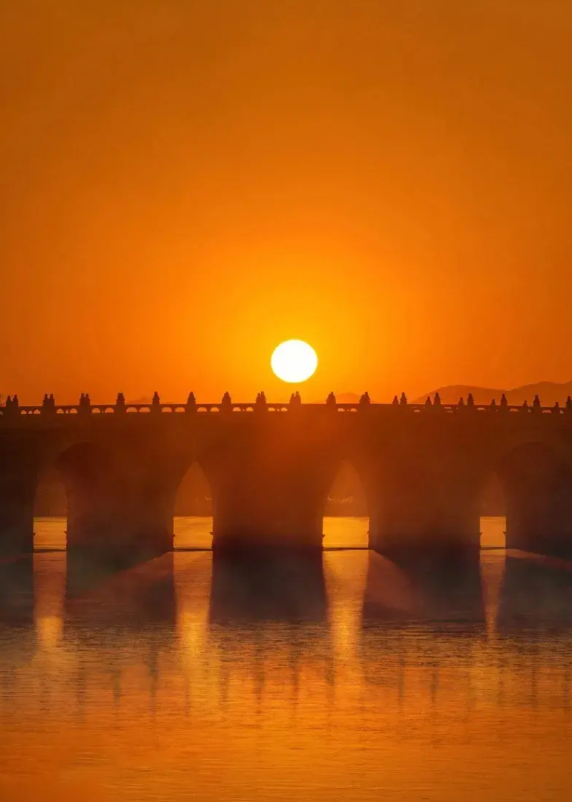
x=294 y=361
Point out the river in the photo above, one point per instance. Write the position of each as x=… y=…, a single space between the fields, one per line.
x=353 y=679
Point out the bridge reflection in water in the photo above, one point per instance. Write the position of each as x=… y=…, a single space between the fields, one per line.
x=192 y=674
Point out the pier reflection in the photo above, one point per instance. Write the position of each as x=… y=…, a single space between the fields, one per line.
x=268 y=624
x=274 y=588
x=17 y=592
x=423 y=591
x=136 y=599
x=18 y=643
x=536 y=593
x=423 y=624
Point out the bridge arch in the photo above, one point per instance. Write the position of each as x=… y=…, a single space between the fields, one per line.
x=345 y=507
x=193 y=508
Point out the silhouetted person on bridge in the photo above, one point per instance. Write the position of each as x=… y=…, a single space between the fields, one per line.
x=331 y=400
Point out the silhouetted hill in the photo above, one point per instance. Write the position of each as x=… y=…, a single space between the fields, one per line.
x=548 y=392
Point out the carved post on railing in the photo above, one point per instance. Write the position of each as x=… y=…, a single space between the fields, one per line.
x=191 y=405
x=156 y=403
x=120 y=403
x=403 y=400
x=261 y=404
x=503 y=403
x=395 y=402
x=493 y=405
x=461 y=404
x=84 y=404
x=48 y=405
x=428 y=404
x=536 y=405
x=295 y=401
x=226 y=404
x=365 y=401
x=524 y=407
x=12 y=406
x=331 y=400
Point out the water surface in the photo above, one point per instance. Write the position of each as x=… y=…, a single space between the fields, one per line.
x=354 y=679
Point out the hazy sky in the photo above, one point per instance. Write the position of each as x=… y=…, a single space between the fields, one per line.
x=185 y=183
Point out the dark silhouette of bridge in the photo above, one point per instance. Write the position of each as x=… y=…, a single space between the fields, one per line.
x=270 y=467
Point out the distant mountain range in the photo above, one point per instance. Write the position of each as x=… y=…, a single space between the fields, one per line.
x=548 y=392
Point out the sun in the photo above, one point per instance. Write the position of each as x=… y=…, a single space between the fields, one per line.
x=294 y=361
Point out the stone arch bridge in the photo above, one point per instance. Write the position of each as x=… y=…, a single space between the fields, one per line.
x=270 y=467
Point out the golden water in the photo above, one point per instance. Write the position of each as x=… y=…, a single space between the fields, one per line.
x=185 y=679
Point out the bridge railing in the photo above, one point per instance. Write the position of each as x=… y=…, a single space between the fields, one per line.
x=85 y=407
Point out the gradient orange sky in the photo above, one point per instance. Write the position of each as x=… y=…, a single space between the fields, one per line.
x=185 y=184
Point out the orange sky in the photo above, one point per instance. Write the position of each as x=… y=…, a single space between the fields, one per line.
x=185 y=184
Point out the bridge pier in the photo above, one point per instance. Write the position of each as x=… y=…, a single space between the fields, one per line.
x=539 y=519
x=269 y=490
x=262 y=505
x=119 y=524
x=16 y=524
x=537 y=482
x=427 y=512
x=17 y=488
